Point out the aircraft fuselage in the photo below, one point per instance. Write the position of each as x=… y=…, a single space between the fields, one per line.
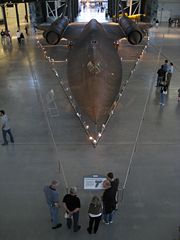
x=94 y=71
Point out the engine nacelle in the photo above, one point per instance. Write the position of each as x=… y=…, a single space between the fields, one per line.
x=56 y=30
x=131 y=30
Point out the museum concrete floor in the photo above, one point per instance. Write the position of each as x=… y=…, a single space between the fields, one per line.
x=141 y=144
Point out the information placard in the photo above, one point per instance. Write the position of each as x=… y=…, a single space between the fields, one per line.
x=94 y=182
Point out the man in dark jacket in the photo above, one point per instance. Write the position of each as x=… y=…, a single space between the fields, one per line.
x=114 y=186
x=161 y=76
x=109 y=204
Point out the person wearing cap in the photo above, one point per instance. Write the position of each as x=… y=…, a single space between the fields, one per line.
x=52 y=199
x=72 y=205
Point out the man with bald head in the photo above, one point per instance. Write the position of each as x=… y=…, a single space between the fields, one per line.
x=52 y=199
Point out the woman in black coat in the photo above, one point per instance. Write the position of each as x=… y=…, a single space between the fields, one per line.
x=109 y=205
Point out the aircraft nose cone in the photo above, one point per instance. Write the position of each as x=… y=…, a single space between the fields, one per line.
x=93 y=25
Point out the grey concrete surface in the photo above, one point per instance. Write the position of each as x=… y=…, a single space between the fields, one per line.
x=140 y=132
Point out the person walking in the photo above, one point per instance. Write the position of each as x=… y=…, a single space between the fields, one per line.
x=18 y=37
x=161 y=76
x=8 y=37
x=95 y=214
x=169 y=22
x=165 y=66
x=157 y=23
x=163 y=92
x=52 y=199
x=5 y=128
x=22 y=38
x=26 y=30
x=169 y=74
x=3 y=36
x=72 y=206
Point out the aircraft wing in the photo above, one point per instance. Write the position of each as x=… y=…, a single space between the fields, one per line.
x=125 y=28
x=43 y=26
x=144 y=26
x=114 y=30
x=73 y=30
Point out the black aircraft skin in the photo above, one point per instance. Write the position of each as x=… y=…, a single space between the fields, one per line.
x=94 y=71
x=94 y=67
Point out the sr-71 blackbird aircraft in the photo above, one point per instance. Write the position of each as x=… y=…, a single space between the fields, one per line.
x=94 y=68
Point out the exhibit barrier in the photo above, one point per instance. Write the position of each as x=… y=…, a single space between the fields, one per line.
x=51 y=104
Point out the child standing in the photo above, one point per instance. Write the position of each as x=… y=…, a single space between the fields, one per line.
x=163 y=92
x=157 y=23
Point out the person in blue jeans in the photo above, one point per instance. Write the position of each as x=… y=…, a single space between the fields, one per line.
x=109 y=203
x=72 y=206
x=52 y=199
x=5 y=128
x=95 y=214
x=163 y=92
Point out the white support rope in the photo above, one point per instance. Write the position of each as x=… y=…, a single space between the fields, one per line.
x=37 y=87
x=141 y=121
